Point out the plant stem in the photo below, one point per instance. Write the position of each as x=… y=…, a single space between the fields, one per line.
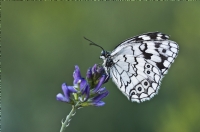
x=68 y=118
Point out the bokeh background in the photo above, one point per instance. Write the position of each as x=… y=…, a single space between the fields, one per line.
x=42 y=41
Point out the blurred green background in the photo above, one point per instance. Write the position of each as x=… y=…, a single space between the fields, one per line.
x=42 y=41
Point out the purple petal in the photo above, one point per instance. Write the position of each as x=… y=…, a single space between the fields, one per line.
x=65 y=90
x=100 y=70
x=89 y=73
x=86 y=93
x=100 y=103
x=94 y=69
x=99 y=97
x=83 y=84
x=60 y=97
x=101 y=81
x=77 y=74
x=72 y=89
x=101 y=90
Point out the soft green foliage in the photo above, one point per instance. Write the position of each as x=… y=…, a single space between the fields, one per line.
x=40 y=40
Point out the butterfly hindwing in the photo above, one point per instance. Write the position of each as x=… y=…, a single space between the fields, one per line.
x=139 y=81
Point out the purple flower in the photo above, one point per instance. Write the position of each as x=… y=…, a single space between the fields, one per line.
x=100 y=103
x=98 y=76
x=82 y=83
x=95 y=74
x=89 y=74
x=67 y=90
x=86 y=92
x=96 y=101
x=94 y=69
x=100 y=82
x=77 y=75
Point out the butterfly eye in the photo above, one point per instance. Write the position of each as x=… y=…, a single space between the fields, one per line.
x=139 y=88
x=148 y=66
x=145 y=84
x=164 y=50
x=133 y=95
x=103 y=53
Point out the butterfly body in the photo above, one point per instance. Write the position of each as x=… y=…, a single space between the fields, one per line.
x=138 y=64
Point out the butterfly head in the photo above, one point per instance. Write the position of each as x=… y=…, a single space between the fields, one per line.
x=104 y=54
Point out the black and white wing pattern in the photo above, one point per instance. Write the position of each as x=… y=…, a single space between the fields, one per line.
x=138 y=64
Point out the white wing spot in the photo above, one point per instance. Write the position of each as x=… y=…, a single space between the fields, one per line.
x=173 y=45
x=143 y=95
x=150 y=90
x=144 y=37
x=156 y=70
x=170 y=59
x=157 y=78
x=154 y=85
x=174 y=50
x=159 y=38
x=166 y=63
x=142 y=47
x=156 y=58
x=174 y=55
x=169 y=53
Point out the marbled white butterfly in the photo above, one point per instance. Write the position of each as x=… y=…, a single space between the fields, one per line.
x=138 y=64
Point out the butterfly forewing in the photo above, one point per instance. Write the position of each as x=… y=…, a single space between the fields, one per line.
x=139 y=64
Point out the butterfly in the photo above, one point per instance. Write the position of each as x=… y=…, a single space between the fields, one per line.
x=138 y=64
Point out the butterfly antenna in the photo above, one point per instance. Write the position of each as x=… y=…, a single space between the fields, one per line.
x=92 y=43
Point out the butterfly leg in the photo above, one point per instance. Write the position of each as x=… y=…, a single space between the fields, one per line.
x=107 y=77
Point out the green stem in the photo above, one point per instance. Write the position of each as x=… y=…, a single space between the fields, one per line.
x=68 y=118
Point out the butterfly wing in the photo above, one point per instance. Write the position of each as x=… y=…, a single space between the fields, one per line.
x=140 y=64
